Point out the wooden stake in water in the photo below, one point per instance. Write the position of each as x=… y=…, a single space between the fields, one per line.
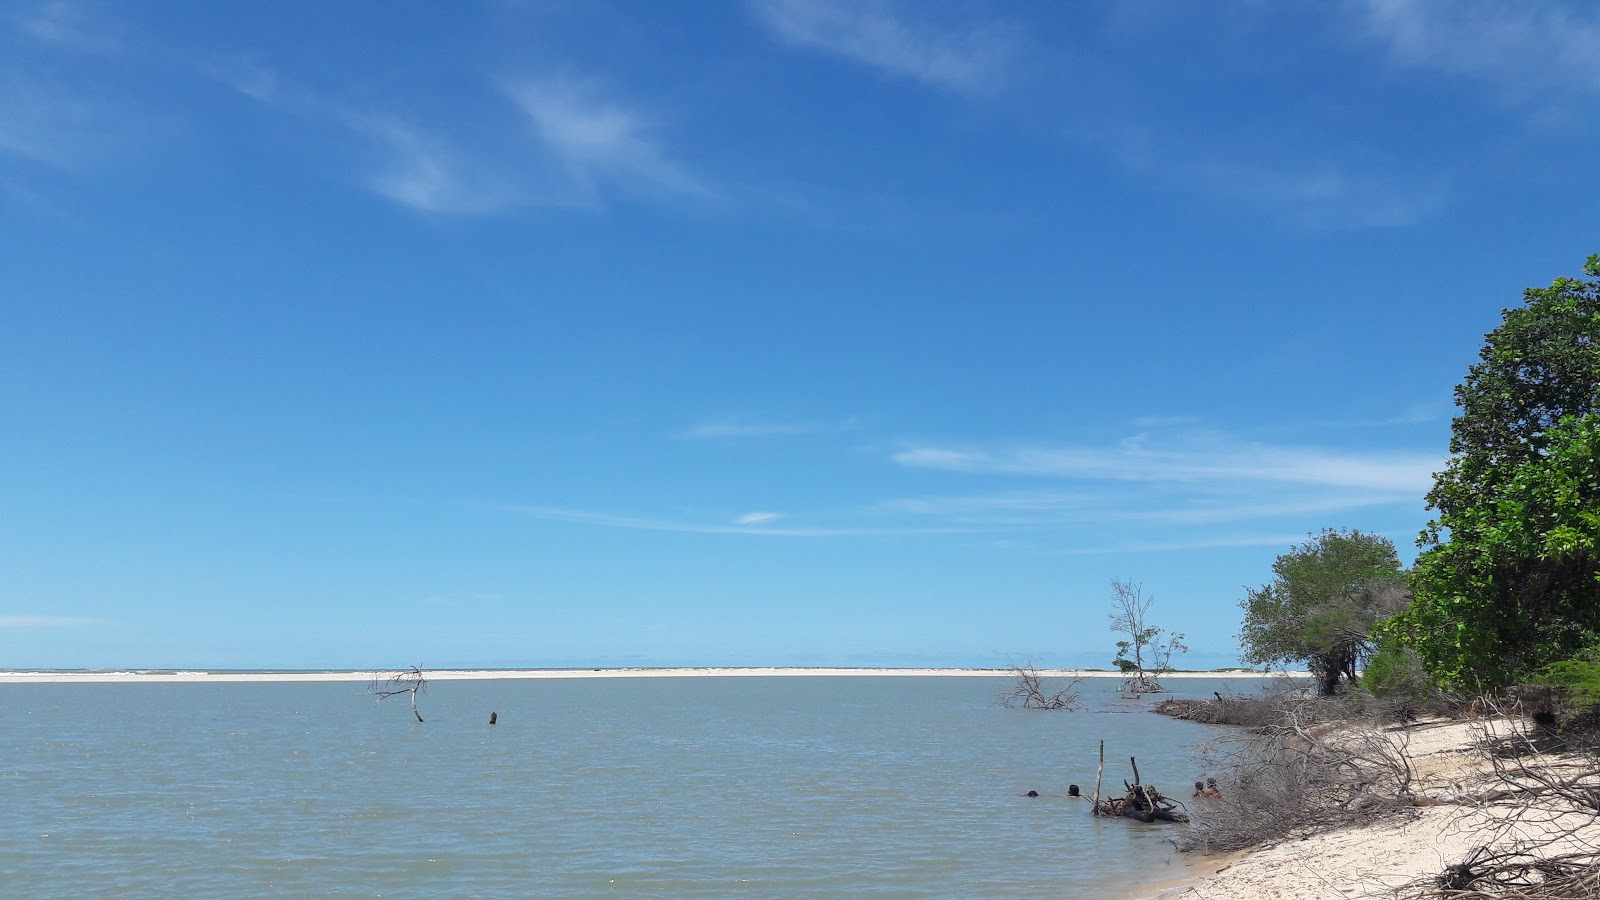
x=1098 y=770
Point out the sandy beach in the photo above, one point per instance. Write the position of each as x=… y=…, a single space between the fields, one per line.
x=1370 y=863
x=169 y=675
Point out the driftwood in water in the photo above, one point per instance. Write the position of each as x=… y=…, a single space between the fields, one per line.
x=1140 y=801
x=1098 y=770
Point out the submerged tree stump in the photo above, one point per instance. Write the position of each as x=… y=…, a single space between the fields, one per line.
x=1139 y=801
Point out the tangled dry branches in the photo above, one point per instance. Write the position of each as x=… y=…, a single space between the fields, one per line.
x=1029 y=691
x=1298 y=776
x=1545 y=843
x=412 y=681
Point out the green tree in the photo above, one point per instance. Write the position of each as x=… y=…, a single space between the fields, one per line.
x=1320 y=608
x=1507 y=579
x=1516 y=586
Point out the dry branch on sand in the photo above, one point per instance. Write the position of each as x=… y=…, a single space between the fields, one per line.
x=1545 y=840
x=1298 y=775
x=1498 y=810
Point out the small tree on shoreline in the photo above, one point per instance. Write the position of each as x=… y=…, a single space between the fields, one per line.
x=1129 y=606
x=1326 y=596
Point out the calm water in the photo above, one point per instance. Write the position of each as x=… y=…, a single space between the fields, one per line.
x=729 y=787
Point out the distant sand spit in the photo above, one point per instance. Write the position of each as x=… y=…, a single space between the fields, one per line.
x=166 y=675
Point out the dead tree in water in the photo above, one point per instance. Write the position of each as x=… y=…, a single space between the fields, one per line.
x=1030 y=691
x=412 y=681
x=1129 y=605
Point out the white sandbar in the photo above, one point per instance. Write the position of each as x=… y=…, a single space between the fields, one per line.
x=95 y=676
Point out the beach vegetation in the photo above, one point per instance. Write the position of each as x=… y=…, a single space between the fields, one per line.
x=1149 y=649
x=1326 y=596
x=1508 y=580
x=1577 y=685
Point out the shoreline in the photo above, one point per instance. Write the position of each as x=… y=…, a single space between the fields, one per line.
x=148 y=676
x=1450 y=770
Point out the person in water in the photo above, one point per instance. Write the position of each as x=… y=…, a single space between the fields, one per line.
x=1211 y=789
x=1199 y=789
x=1072 y=791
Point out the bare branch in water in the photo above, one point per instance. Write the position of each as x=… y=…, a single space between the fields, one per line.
x=411 y=681
x=1031 y=692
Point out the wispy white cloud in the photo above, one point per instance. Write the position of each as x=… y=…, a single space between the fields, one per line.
x=420 y=168
x=1164 y=421
x=602 y=143
x=990 y=505
x=758 y=518
x=1328 y=196
x=69 y=27
x=970 y=60
x=572 y=148
x=1206 y=459
x=1528 y=53
x=1210 y=543
x=644 y=523
x=430 y=174
x=70 y=124
x=1103 y=507
x=733 y=428
x=49 y=622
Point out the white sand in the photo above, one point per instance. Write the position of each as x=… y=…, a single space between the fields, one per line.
x=108 y=677
x=1371 y=862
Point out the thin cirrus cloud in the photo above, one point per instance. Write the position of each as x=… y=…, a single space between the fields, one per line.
x=427 y=173
x=602 y=143
x=1209 y=461
x=1527 y=53
x=1331 y=196
x=732 y=429
x=758 y=518
x=70 y=27
x=72 y=123
x=970 y=60
x=412 y=166
x=48 y=622
x=1050 y=508
x=561 y=144
x=644 y=523
x=1212 y=543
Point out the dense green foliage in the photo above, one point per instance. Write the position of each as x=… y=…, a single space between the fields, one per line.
x=1322 y=604
x=1509 y=578
x=1395 y=674
x=1579 y=681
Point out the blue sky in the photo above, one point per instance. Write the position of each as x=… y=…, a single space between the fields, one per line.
x=780 y=332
